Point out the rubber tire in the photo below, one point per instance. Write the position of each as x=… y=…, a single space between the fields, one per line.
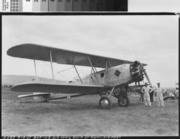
x=109 y=102
x=126 y=101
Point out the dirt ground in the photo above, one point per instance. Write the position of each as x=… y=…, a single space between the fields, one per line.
x=82 y=117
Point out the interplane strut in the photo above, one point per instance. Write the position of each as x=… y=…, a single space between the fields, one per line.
x=35 y=70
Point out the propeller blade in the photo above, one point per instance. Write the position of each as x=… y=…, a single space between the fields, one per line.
x=146 y=75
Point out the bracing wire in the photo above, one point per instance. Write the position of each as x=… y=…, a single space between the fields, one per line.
x=59 y=73
x=64 y=70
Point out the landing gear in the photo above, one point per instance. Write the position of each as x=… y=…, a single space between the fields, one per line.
x=105 y=102
x=122 y=96
x=123 y=101
x=120 y=93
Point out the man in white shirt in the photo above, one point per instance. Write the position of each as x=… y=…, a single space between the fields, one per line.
x=145 y=90
x=159 y=95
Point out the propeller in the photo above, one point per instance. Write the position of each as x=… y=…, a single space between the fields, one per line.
x=142 y=70
x=145 y=73
x=137 y=72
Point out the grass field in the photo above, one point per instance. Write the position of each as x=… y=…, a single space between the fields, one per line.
x=82 y=117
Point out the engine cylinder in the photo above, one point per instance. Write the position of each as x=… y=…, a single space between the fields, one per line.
x=136 y=71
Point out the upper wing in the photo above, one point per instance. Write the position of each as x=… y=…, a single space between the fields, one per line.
x=58 y=88
x=39 y=52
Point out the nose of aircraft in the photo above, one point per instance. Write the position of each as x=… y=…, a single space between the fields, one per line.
x=136 y=70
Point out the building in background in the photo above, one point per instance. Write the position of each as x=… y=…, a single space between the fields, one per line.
x=61 y=5
x=44 y=5
x=68 y=5
x=27 y=6
x=16 y=5
x=36 y=6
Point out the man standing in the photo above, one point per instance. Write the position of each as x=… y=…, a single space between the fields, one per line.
x=145 y=90
x=151 y=93
x=159 y=95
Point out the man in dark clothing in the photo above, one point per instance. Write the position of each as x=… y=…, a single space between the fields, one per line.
x=151 y=93
x=141 y=96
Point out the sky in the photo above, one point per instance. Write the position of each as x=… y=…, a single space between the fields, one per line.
x=150 y=39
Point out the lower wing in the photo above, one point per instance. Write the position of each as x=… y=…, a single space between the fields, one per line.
x=59 y=88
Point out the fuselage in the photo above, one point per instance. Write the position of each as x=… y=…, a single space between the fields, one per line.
x=112 y=76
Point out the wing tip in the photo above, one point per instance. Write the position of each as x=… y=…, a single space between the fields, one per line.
x=11 y=51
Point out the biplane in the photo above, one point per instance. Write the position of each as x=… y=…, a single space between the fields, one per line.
x=113 y=80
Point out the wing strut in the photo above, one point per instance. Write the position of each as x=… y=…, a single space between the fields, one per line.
x=78 y=74
x=51 y=66
x=105 y=69
x=109 y=63
x=35 y=70
x=93 y=68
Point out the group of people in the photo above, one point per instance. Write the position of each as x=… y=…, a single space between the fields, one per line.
x=149 y=93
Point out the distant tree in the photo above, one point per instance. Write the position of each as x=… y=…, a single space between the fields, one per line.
x=10 y=86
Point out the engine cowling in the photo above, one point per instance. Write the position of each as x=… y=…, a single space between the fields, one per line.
x=136 y=71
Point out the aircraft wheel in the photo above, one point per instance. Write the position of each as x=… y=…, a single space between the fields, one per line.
x=123 y=101
x=105 y=102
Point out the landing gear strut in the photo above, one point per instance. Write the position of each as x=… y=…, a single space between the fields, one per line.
x=120 y=93
x=122 y=97
x=123 y=101
x=105 y=101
